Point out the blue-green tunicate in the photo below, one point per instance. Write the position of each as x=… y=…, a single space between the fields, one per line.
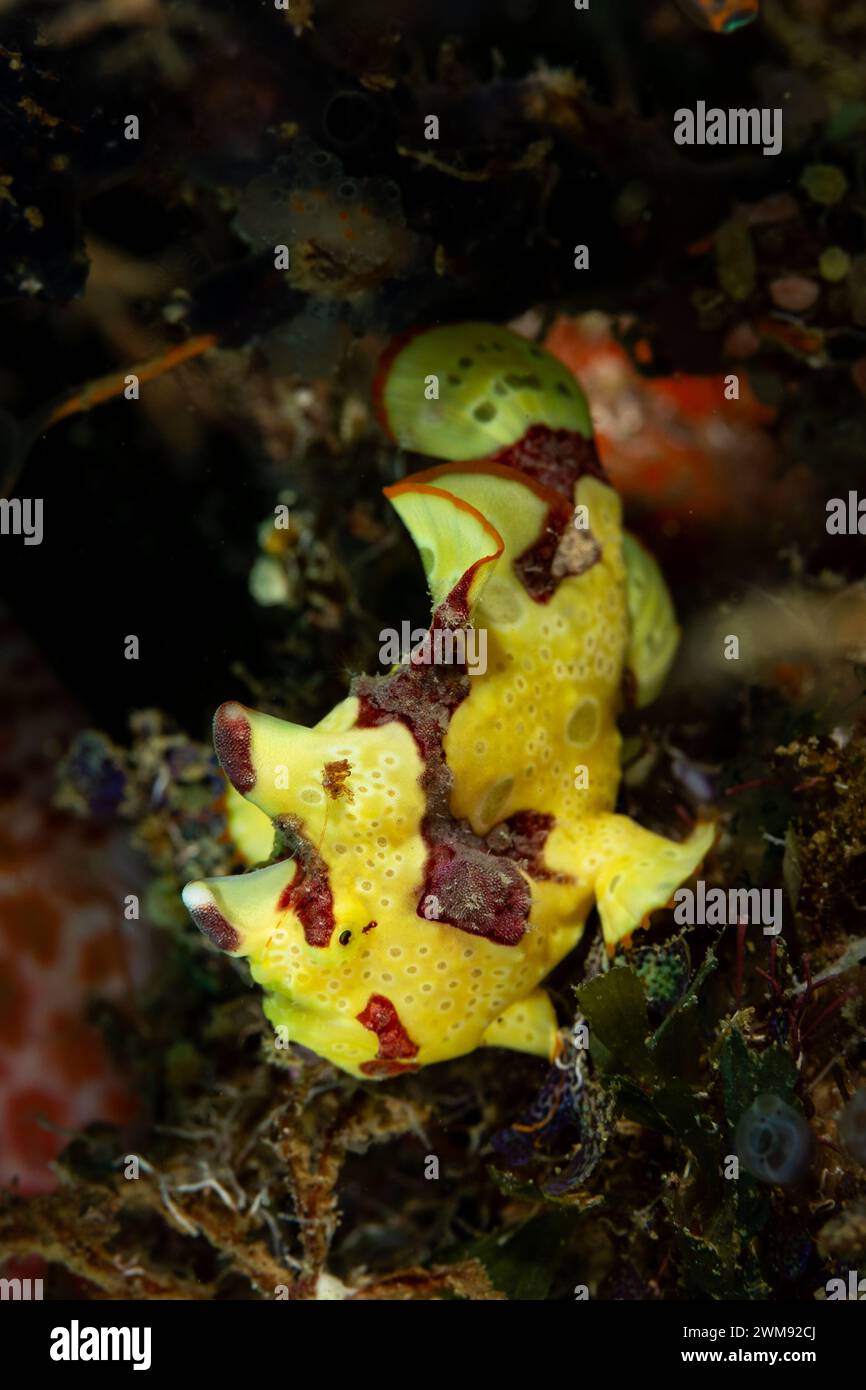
x=773 y=1141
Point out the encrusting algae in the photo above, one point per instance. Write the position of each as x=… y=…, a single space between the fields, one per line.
x=441 y=836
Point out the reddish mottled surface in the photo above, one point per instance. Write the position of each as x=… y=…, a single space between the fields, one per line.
x=555 y=458
x=423 y=698
x=455 y=610
x=396 y=1048
x=232 y=737
x=309 y=895
x=522 y=839
x=535 y=566
x=214 y=926
x=475 y=892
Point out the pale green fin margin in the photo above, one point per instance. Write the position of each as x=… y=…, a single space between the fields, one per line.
x=654 y=632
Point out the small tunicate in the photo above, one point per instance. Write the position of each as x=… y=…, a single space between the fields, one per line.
x=346 y=234
x=773 y=1141
x=322 y=161
x=269 y=584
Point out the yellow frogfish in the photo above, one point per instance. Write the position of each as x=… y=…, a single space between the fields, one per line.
x=441 y=836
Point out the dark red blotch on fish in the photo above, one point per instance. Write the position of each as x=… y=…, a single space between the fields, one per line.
x=395 y=1045
x=211 y=922
x=232 y=738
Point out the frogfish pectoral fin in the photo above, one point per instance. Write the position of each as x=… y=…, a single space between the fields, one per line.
x=636 y=871
x=528 y=1025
